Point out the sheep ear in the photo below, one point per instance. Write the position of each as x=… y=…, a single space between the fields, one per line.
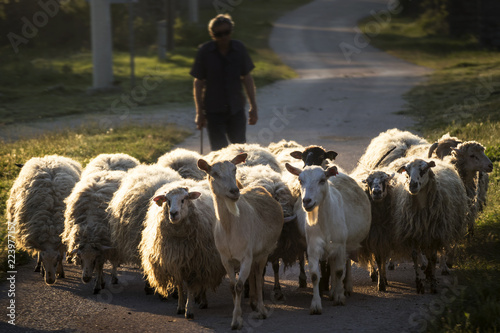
x=331 y=155
x=160 y=199
x=240 y=158
x=431 y=164
x=240 y=186
x=431 y=149
x=296 y=154
x=402 y=169
x=293 y=170
x=203 y=165
x=331 y=171
x=193 y=195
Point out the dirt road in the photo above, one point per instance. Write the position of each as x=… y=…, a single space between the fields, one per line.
x=341 y=100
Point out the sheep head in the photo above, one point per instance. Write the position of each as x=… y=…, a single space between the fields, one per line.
x=177 y=203
x=444 y=146
x=418 y=172
x=378 y=183
x=88 y=255
x=471 y=156
x=314 y=155
x=50 y=259
x=313 y=183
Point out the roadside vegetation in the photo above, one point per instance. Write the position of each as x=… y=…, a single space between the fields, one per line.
x=462 y=97
x=45 y=81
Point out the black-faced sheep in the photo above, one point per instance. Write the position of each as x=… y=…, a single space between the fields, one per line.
x=128 y=210
x=246 y=231
x=380 y=240
x=430 y=210
x=36 y=207
x=184 y=162
x=177 y=247
x=110 y=162
x=86 y=230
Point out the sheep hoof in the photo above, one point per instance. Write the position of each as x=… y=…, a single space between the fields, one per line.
x=189 y=315
x=61 y=276
x=149 y=290
x=96 y=291
x=315 y=311
x=180 y=311
x=374 y=276
x=302 y=283
x=340 y=300
x=237 y=323
x=114 y=280
x=253 y=305
x=37 y=269
x=381 y=287
x=278 y=295
x=420 y=287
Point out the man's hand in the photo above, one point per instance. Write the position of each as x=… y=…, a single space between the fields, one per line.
x=200 y=120
x=252 y=116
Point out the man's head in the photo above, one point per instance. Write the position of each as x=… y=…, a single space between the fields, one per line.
x=221 y=27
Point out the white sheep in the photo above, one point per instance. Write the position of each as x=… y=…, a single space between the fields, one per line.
x=430 y=210
x=338 y=219
x=110 y=162
x=257 y=155
x=389 y=146
x=36 y=207
x=184 y=162
x=177 y=247
x=86 y=227
x=291 y=244
x=128 y=209
x=246 y=231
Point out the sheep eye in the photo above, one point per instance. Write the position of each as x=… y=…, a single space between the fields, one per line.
x=322 y=181
x=183 y=201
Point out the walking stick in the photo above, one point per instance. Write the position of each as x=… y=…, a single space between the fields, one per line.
x=201 y=141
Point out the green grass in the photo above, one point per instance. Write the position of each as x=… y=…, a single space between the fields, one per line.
x=42 y=83
x=146 y=143
x=462 y=97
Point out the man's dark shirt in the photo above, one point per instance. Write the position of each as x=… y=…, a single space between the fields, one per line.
x=222 y=75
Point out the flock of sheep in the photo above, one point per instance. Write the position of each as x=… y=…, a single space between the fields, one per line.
x=188 y=220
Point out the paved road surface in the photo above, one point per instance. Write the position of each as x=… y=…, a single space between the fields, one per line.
x=337 y=102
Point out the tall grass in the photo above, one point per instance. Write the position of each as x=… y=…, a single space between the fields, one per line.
x=461 y=97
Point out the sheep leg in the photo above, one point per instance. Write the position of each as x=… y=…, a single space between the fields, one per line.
x=430 y=272
x=348 y=278
x=338 y=265
x=114 y=275
x=391 y=265
x=259 y=282
x=418 y=281
x=60 y=269
x=252 y=278
x=245 y=268
x=315 y=273
x=203 y=299
x=38 y=263
x=382 y=280
x=189 y=304
x=147 y=287
x=180 y=301
x=278 y=295
x=302 y=275
x=373 y=269
x=325 y=276
x=99 y=281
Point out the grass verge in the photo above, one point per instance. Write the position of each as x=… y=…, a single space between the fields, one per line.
x=42 y=83
x=461 y=96
x=146 y=143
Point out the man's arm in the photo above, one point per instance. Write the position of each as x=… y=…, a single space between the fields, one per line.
x=250 y=90
x=198 y=88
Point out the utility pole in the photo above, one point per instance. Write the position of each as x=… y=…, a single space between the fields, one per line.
x=193 y=11
x=102 y=44
x=170 y=17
